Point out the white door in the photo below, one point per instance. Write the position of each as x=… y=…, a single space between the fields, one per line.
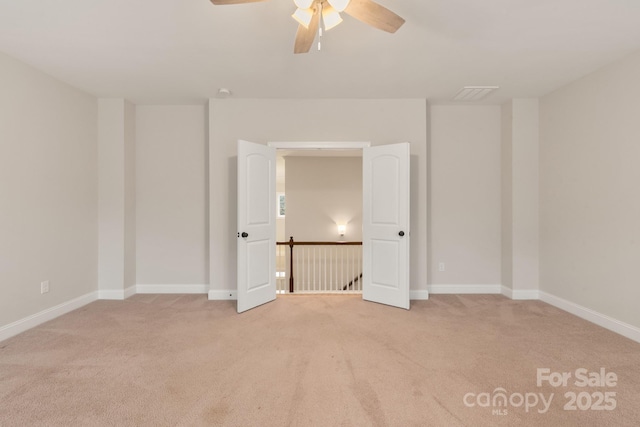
x=256 y=225
x=385 y=224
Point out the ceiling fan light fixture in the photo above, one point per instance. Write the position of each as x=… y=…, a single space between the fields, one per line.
x=339 y=5
x=303 y=4
x=314 y=16
x=303 y=16
x=330 y=17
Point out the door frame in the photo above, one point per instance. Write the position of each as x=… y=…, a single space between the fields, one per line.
x=318 y=145
x=352 y=145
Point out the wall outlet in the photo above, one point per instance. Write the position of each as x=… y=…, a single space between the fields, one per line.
x=44 y=287
x=441 y=266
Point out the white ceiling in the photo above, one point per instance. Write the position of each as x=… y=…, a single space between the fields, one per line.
x=173 y=51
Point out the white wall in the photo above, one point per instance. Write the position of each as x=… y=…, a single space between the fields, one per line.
x=525 y=190
x=377 y=121
x=589 y=203
x=323 y=192
x=48 y=191
x=506 y=195
x=465 y=195
x=171 y=196
x=116 y=159
x=129 y=195
x=520 y=187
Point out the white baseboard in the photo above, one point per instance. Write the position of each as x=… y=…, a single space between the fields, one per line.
x=29 y=322
x=507 y=292
x=130 y=291
x=225 y=294
x=172 y=289
x=593 y=316
x=465 y=289
x=521 y=294
x=113 y=294
x=116 y=294
x=419 y=295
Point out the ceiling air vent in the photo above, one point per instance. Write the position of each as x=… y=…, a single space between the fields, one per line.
x=474 y=93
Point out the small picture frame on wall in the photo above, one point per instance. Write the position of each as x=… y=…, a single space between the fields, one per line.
x=280 y=205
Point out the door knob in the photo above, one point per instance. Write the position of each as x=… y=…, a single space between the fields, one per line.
x=245 y=234
x=401 y=234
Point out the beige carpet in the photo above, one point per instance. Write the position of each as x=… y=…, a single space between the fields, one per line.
x=313 y=361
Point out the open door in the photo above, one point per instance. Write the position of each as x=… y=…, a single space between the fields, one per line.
x=256 y=225
x=385 y=224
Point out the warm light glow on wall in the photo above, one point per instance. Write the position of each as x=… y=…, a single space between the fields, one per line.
x=342 y=229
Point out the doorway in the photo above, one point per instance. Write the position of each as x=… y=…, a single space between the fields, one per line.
x=319 y=221
x=385 y=226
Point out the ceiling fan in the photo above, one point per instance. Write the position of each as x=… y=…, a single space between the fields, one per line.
x=308 y=15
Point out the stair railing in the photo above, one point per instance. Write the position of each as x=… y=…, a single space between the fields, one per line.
x=319 y=267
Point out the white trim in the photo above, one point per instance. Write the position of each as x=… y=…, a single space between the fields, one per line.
x=507 y=292
x=172 y=289
x=465 y=289
x=112 y=294
x=130 y=291
x=351 y=145
x=117 y=294
x=520 y=294
x=223 y=295
x=421 y=294
x=34 y=320
x=593 y=316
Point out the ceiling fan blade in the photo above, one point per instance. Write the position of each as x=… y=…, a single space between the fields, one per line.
x=306 y=36
x=375 y=15
x=221 y=2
